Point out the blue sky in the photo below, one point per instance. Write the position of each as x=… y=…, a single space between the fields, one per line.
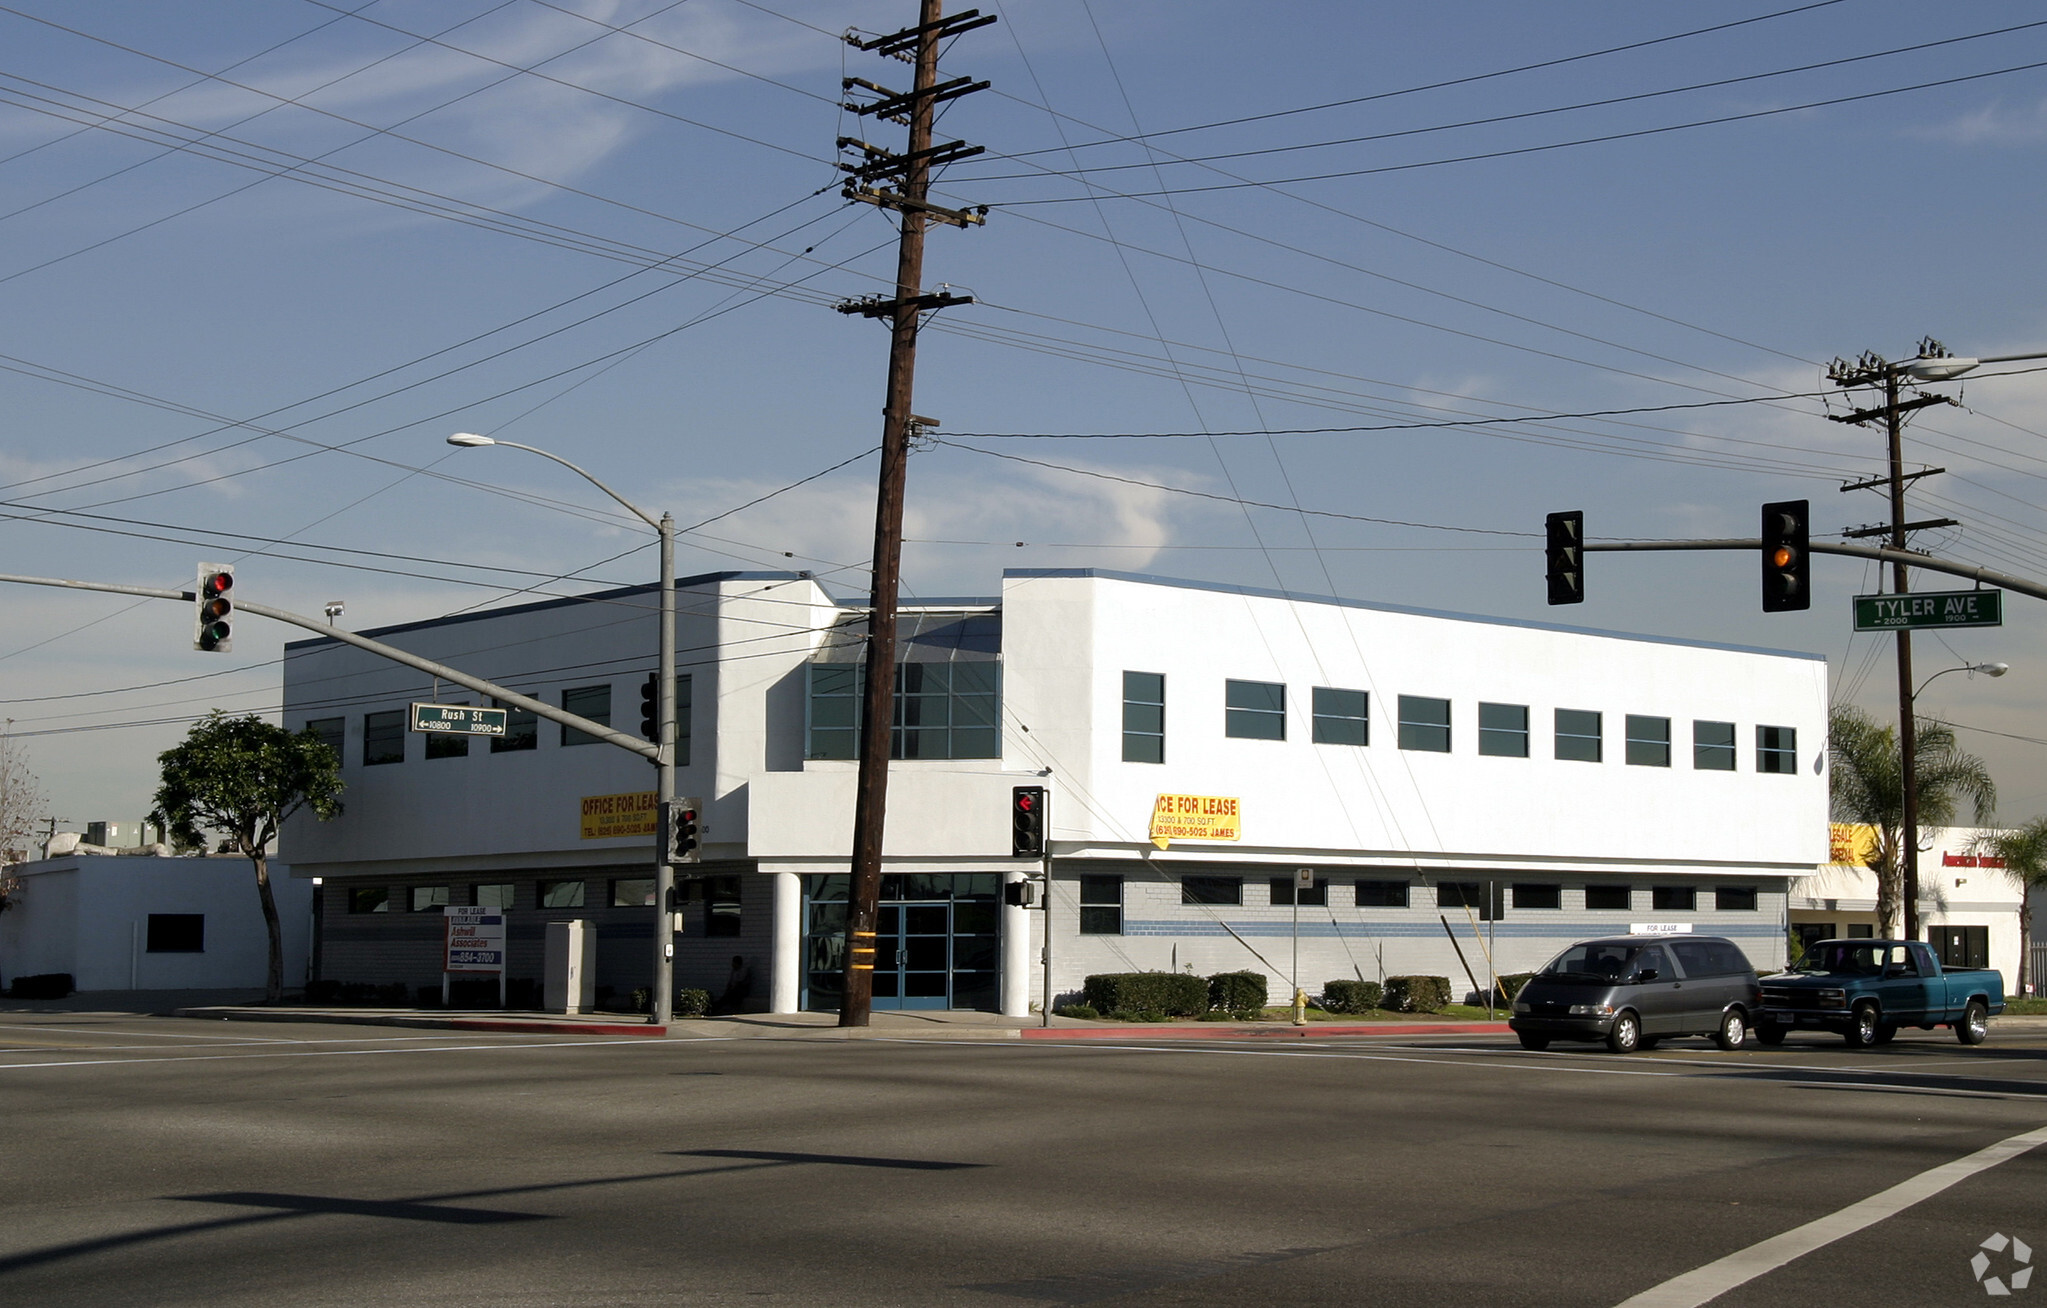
x=261 y=258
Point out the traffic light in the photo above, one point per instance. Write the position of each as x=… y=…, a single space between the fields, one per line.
x=1566 y=554
x=1786 y=529
x=1019 y=894
x=214 y=608
x=679 y=832
x=650 y=709
x=1027 y=822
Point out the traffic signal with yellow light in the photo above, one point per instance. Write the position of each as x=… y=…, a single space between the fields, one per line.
x=1027 y=822
x=1786 y=530
x=214 y=608
x=1566 y=556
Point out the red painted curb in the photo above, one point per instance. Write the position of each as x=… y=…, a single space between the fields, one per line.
x=555 y=1028
x=1139 y=1031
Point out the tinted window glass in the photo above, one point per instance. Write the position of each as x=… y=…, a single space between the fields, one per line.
x=1382 y=894
x=1609 y=897
x=1713 y=746
x=1144 y=717
x=1425 y=724
x=1503 y=730
x=1578 y=735
x=1254 y=710
x=1648 y=741
x=1342 y=717
x=1211 y=890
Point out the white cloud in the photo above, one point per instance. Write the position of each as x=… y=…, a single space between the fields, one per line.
x=1995 y=124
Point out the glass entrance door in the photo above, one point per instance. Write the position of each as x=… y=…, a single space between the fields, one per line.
x=936 y=941
x=913 y=955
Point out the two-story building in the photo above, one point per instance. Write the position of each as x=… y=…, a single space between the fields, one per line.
x=1467 y=795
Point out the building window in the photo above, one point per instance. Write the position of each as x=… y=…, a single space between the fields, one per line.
x=383 y=737
x=1425 y=724
x=1382 y=894
x=1811 y=933
x=1648 y=741
x=1503 y=730
x=1283 y=893
x=1254 y=710
x=1734 y=899
x=331 y=732
x=942 y=710
x=1101 y=906
x=560 y=894
x=1713 y=746
x=522 y=731
x=1530 y=895
x=369 y=899
x=683 y=693
x=721 y=906
x=632 y=892
x=592 y=702
x=493 y=894
x=1602 y=898
x=429 y=899
x=1960 y=946
x=447 y=744
x=176 y=933
x=1341 y=717
x=1579 y=735
x=1777 y=749
x=1472 y=895
x=1211 y=890
x=1674 y=899
x=1144 y=717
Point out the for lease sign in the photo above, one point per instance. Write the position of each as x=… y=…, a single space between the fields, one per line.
x=1195 y=817
x=605 y=816
x=475 y=939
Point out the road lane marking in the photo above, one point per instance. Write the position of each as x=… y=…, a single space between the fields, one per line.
x=638 y=1042
x=1703 y=1284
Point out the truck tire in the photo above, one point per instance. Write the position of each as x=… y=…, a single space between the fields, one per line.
x=1863 y=1025
x=1974 y=1028
x=1886 y=1032
x=1770 y=1033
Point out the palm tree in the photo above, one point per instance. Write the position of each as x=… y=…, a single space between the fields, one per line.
x=1868 y=786
x=2024 y=853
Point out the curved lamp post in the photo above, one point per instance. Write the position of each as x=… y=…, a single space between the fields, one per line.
x=664 y=872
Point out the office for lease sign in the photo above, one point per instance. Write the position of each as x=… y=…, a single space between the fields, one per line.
x=1195 y=817
x=475 y=940
x=605 y=816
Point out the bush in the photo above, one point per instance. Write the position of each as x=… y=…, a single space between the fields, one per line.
x=692 y=1003
x=44 y=985
x=1237 y=993
x=1169 y=994
x=1511 y=983
x=1346 y=996
x=1417 y=994
x=1076 y=1010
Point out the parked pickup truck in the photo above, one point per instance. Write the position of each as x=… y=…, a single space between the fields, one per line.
x=1866 y=989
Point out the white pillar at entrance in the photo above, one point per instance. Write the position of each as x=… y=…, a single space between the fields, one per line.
x=785 y=985
x=1017 y=955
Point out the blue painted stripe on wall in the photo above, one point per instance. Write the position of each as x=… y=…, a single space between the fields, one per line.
x=1559 y=928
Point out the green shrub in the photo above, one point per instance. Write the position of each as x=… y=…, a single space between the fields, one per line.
x=1076 y=1010
x=1417 y=994
x=1511 y=983
x=692 y=1003
x=43 y=985
x=1237 y=992
x=1170 y=994
x=1346 y=996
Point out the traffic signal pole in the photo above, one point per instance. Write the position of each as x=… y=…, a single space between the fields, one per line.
x=663 y=1005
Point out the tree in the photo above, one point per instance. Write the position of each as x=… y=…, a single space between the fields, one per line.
x=20 y=797
x=243 y=777
x=1868 y=785
x=2024 y=853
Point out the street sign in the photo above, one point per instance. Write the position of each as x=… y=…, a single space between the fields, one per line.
x=459 y=719
x=475 y=939
x=1933 y=608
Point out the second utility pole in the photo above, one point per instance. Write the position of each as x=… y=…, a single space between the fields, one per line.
x=870 y=181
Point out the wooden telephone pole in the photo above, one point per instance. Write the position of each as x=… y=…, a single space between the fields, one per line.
x=900 y=182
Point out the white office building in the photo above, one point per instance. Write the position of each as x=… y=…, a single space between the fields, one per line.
x=1466 y=795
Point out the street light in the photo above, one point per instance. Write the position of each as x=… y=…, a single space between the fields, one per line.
x=664 y=871
x=1987 y=669
x=1908 y=776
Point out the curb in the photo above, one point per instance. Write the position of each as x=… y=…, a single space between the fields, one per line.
x=1216 y=1031
x=533 y=1026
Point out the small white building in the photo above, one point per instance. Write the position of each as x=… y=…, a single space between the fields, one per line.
x=1511 y=785
x=119 y=922
x=1968 y=907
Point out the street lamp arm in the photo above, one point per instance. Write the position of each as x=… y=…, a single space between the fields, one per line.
x=584 y=473
x=1987 y=669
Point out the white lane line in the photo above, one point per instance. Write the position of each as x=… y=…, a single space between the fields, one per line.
x=1716 y=1278
x=1195 y=1047
x=175 y=1059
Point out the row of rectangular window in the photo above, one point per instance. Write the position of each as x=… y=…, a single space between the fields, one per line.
x=1101 y=897
x=942 y=710
x=1256 y=710
x=383 y=733
x=721 y=896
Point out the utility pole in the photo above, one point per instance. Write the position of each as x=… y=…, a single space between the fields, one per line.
x=1873 y=370
x=900 y=182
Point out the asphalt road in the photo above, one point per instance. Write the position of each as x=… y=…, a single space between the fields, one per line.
x=160 y=1161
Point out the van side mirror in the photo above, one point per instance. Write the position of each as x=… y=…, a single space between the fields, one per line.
x=1647 y=974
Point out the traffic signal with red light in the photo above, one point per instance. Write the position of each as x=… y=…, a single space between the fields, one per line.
x=1566 y=557
x=1027 y=822
x=679 y=832
x=214 y=608
x=1786 y=531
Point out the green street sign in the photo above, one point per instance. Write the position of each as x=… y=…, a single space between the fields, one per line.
x=459 y=719
x=1933 y=608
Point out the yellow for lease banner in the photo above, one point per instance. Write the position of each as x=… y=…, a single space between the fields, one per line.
x=1851 y=844
x=1194 y=817
x=605 y=816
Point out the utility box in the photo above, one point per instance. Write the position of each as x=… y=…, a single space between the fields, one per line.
x=570 y=985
